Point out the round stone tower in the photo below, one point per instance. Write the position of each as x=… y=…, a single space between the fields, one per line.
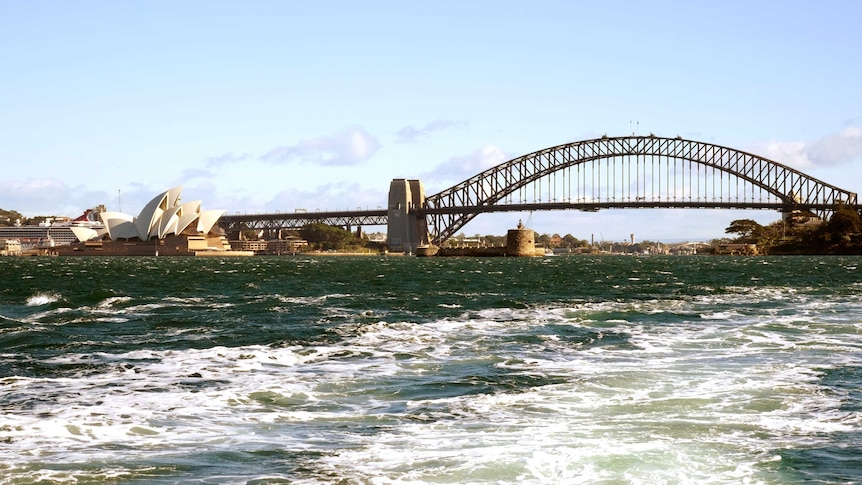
x=520 y=242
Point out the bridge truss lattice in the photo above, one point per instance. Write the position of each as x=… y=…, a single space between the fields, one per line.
x=633 y=172
x=234 y=224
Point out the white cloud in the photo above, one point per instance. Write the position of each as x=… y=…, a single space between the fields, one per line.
x=332 y=196
x=344 y=195
x=412 y=134
x=830 y=150
x=226 y=158
x=193 y=173
x=790 y=153
x=837 y=148
x=48 y=197
x=460 y=168
x=349 y=146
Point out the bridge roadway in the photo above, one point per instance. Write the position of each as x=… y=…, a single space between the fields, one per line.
x=596 y=206
x=348 y=219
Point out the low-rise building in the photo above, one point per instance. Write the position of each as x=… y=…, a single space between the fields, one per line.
x=256 y=246
x=288 y=245
x=10 y=247
x=737 y=249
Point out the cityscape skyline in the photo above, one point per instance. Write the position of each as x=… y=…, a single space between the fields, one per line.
x=276 y=106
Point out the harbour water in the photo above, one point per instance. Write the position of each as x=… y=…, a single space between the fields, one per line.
x=376 y=370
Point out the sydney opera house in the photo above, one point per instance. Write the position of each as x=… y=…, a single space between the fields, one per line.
x=165 y=227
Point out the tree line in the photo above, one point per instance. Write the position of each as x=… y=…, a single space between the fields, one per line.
x=10 y=218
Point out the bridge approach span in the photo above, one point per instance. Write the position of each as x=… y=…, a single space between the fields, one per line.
x=272 y=223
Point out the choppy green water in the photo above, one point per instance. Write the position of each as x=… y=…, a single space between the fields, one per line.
x=406 y=370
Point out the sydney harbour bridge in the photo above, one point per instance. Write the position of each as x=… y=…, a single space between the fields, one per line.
x=589 y=175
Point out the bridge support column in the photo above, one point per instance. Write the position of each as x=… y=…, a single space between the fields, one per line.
x=406 y=229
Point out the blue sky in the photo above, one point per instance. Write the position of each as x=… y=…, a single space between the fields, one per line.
x=264 y=106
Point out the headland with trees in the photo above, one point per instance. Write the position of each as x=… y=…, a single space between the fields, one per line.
x=802 y=233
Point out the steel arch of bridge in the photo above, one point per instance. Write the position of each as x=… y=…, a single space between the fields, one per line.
x=763 y=183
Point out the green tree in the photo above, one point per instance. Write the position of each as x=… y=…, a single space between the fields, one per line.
x=492 y=240
x=769 y=236
x=844 y=222
x=323 y=236
x=746 y=229
x=8 y=218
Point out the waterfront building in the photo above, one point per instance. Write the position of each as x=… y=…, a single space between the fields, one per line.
x=165 y=226
x=288 y=245
x=10 y=247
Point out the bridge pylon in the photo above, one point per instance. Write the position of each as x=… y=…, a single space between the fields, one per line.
x=406 y=228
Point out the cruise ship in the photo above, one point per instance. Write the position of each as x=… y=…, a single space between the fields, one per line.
x=52 y=233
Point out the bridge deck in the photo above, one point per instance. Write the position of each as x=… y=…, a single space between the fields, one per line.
x=595 y=206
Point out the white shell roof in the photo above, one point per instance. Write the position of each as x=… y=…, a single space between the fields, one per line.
x=162 y=216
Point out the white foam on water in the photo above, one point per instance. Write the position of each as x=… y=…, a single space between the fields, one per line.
x=718 y=315
x=714 y=393
x=310 y=300
x=42 y=298
x=632 y=400
x=111 y=302
x=38 y=317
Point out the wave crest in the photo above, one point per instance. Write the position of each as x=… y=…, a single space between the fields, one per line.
x=40 y=299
